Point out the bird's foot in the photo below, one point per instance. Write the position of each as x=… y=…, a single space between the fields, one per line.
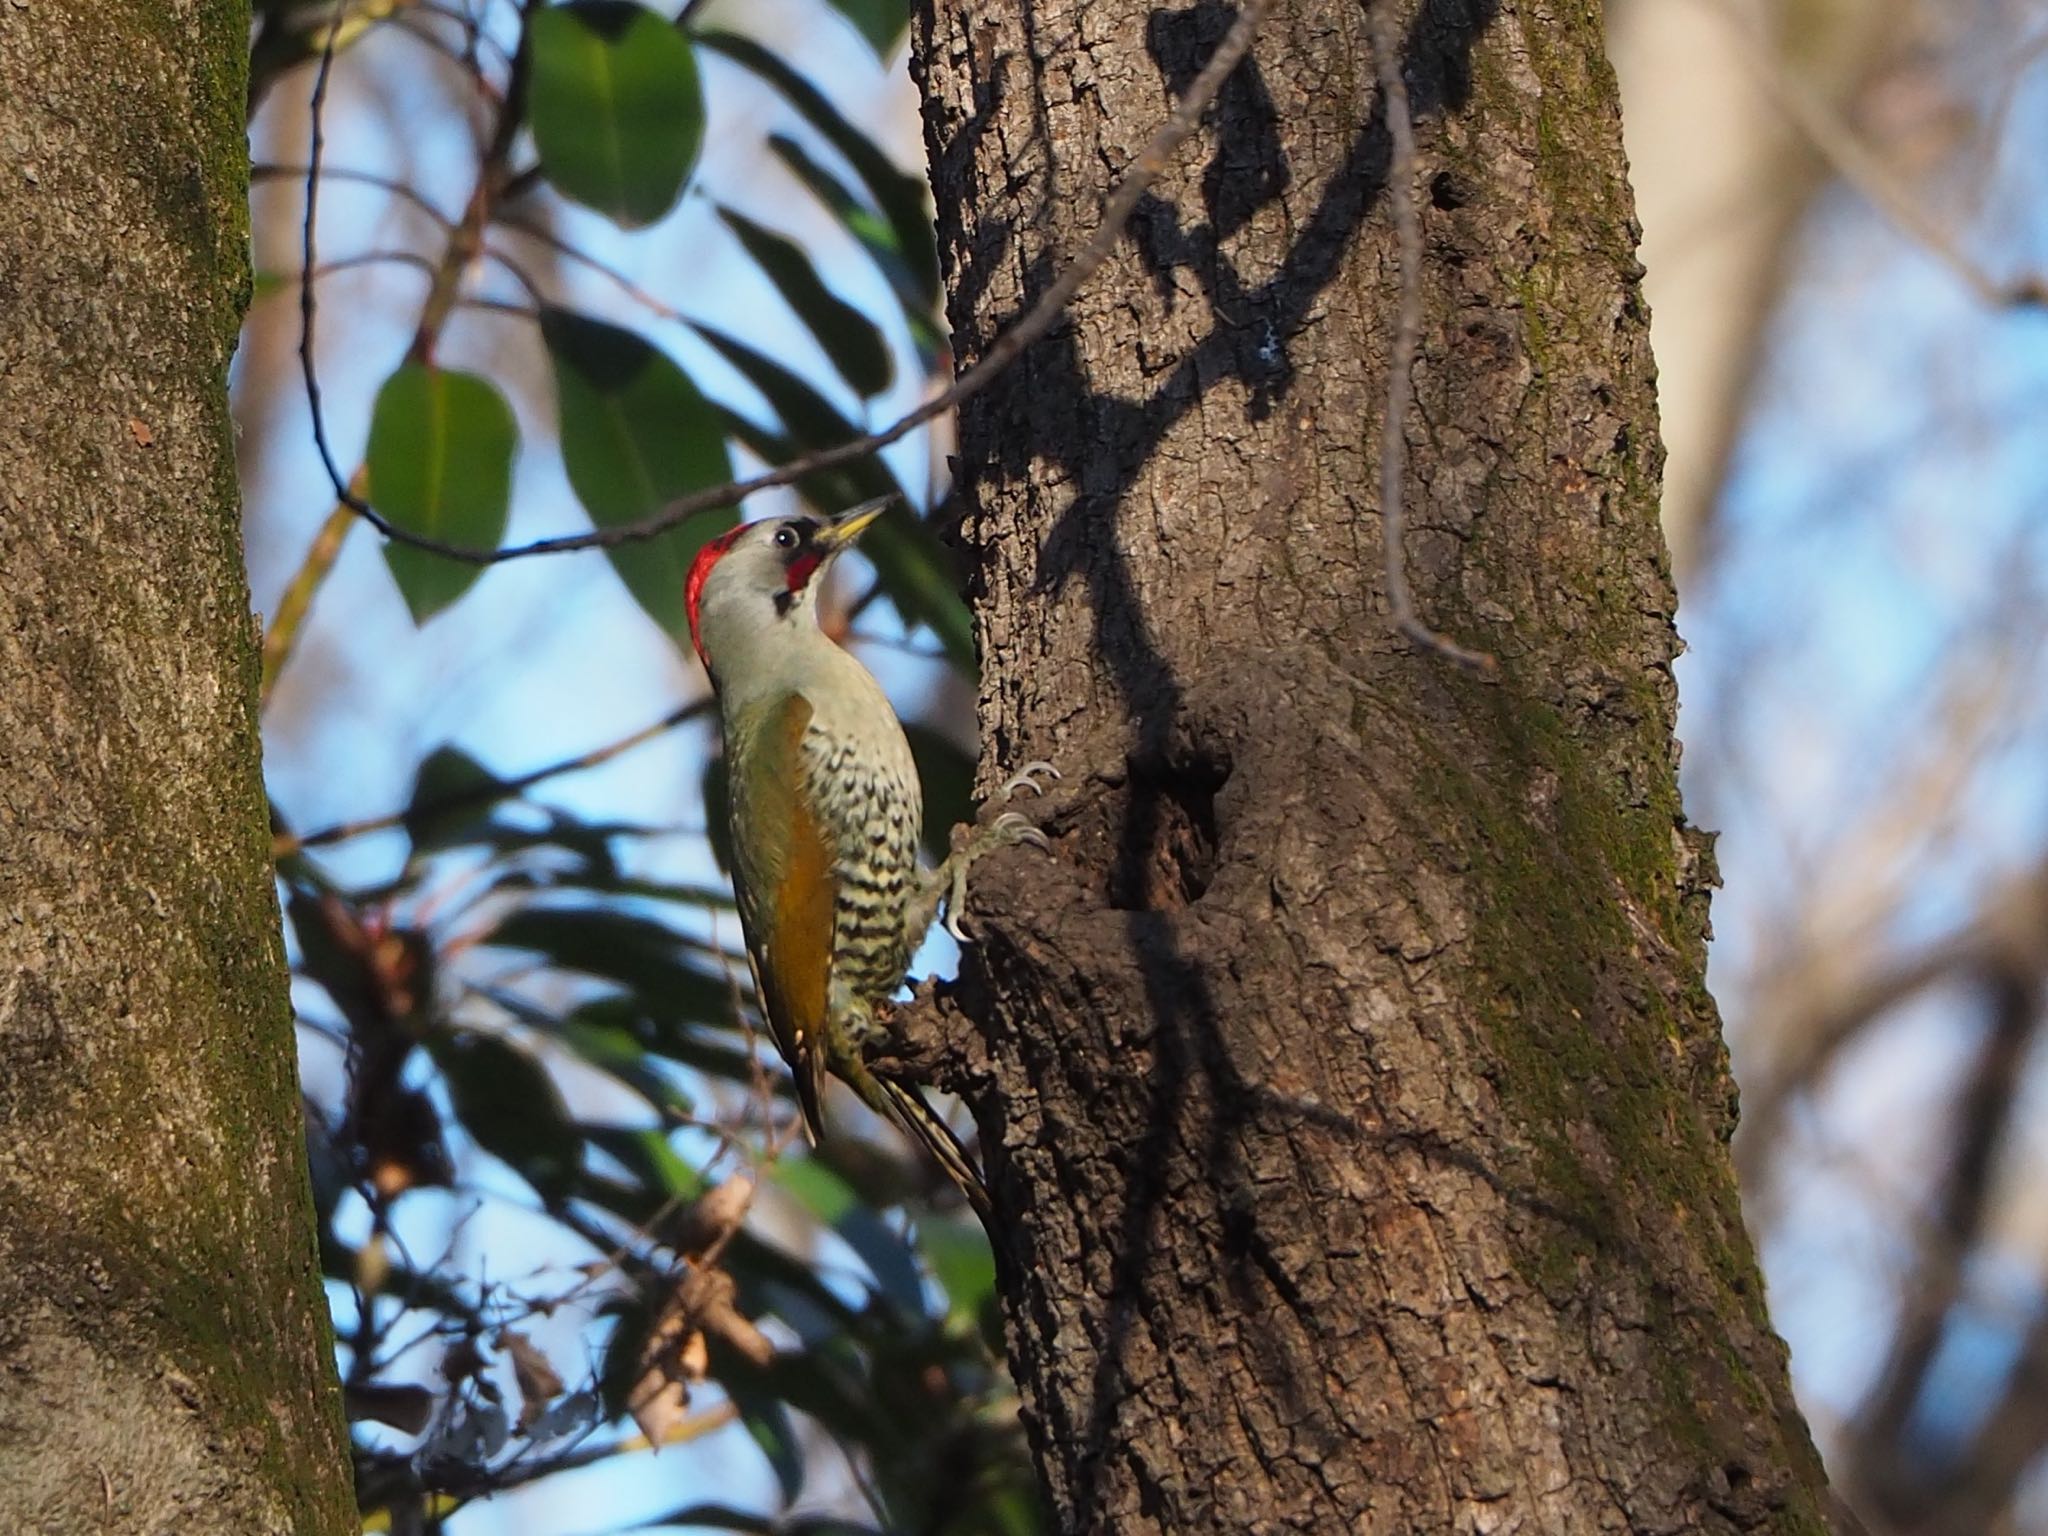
x=1008 y=830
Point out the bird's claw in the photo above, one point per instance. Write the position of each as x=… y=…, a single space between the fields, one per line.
x=1026 y=778
x=1006 y=831
x=1012 y=828
x=956 y=907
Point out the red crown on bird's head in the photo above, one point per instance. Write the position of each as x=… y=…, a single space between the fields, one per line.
x=700 y=572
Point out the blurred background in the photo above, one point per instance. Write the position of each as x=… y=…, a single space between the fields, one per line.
x=1845 y=264
x=584 y=1280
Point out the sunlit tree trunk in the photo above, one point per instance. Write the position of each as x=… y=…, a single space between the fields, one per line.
x=164 y=1354
x=1356 y=1112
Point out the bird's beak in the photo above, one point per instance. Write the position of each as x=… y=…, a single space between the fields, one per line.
x=851 y=525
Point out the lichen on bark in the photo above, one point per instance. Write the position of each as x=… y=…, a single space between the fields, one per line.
x=163 y=1326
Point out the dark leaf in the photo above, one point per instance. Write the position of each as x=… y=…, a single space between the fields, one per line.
x=902 y=197
x=880 y=22
x=721 y=1517
x=616 y=107
x=624 y=1350
x=849 y=338
x=878 y=236
x=509 y=1104
x=636 y=434
x=917 y=573
x=440 y=465
x=452 y=796
x=885 y=1251
x=647 y=1154
x=404 y=1407
x=824 y=1383
x=678 y=1036
x=768 y=1421
x=638 y=953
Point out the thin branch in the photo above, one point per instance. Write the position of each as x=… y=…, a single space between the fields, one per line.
x=1852 y=160
x=1401 y=355
x=1146 y=169
x=483 y=794
x=465 y=242
x=308 y=262
x=1983 y=1117
x=391 y=184
x=569 y=251
x=2007 y=934
x=411 y=259
x=285 y=625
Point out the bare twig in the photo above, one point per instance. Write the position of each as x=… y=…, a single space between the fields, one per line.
x=465 y=244
x=1401 y=354
x=1044 y=313
x=2007 y=935
x=285 y=624
x=571 y=252
x=388 y=184
x=1853 y=161
x=483 y=794
x=1983 y=1121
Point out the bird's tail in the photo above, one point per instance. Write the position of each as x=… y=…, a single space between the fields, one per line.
x=907 y=1107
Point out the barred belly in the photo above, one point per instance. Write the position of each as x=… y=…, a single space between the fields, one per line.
x=872 y=810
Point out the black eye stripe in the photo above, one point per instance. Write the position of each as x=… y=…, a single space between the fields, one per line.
x=796 y=535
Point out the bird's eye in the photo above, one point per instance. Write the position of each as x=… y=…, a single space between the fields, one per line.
x=785 y=537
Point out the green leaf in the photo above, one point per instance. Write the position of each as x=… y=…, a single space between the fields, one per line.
x=452 y=796
x=616 y=107
x=652 y=1160
x=880 y=22
x=903 y=198
x=636 y=434
x=812 y=420
x=918 y=302
x=768 y=1421
x=440 y=465
x=644 y=956
x=946 y=774
x=849 y=338
x=885 y=1251
x=959 y=1257
x=508 y=1103
x=722 y=1517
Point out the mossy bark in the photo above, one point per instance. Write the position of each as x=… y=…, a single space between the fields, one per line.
x=1355 y=1109
x=165 y=1361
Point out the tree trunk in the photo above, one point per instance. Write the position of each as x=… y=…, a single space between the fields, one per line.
x=165 y=1361
x=1355 y=1108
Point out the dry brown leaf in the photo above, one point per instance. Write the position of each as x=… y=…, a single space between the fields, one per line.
x=539 y=1383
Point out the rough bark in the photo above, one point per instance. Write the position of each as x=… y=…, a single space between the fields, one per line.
x=165 y=1361
x=1356 y=1112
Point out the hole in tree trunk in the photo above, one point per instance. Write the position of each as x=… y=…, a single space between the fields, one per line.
x=1168 y=852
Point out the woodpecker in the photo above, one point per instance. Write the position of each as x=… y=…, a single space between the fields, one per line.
x=824 y=812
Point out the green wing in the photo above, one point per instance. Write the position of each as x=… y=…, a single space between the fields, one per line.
x=787 y=892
